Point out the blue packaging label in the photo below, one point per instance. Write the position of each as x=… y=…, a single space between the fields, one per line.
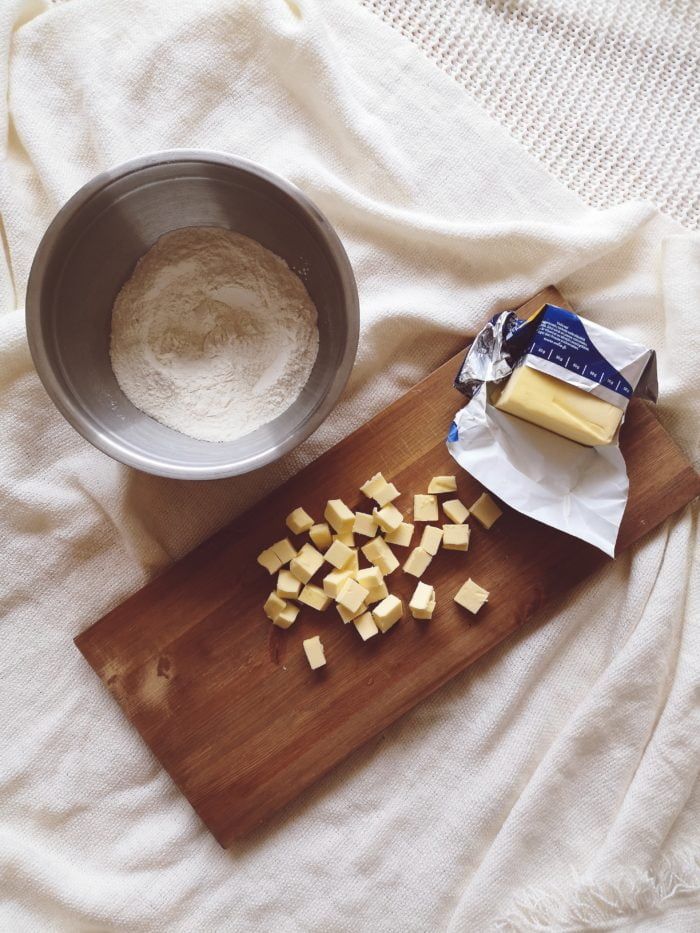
x=560 y=337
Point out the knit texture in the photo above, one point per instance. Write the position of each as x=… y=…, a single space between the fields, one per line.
x=605 y=94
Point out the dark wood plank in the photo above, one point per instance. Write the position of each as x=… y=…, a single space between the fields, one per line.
x=228 y=703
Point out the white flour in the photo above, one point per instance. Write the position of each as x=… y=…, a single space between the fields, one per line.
x=213 y=334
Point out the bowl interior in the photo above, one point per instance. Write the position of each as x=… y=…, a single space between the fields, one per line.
x=95 y=251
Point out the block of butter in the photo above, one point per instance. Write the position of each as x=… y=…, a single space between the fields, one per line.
x=554 y=404
x=570 y=378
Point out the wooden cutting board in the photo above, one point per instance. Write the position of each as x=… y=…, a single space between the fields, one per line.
x=228 y=702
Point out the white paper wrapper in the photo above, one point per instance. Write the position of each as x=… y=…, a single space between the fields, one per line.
x=579 y=490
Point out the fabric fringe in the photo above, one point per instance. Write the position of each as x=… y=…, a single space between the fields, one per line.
x=609 y=904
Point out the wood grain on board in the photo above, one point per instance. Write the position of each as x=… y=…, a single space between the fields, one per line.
x=227 y=701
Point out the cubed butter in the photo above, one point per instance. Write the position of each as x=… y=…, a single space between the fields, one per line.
x=352 y=595
x=456 y=511
x=348 y=615
x=338 y=554
x=314 y=596
x=288 y=585
x=378 y=489
x=439 y=484
x=321 y=536
x=422 y=602
x=365 y=524
x=401 y=535
x=560 y=407
x=287 y=617
x=388 y=518
x=299 y=521
x=431 y=539
x=417 y=562
x=455 y=537
x=369 y=577
x=273 y=605
x=315 y=655
x=285 y=550
x=306 y=563
x=334 y=580
x=339 y=516
x=485 y=510
x=365 y=625
x=378 y=552
x=425 y=508
x=354 y=563
x=387 y=613
x=471 y=596
x=269 y=560
x=373 y=485
x=347 y=538
x=377 y=594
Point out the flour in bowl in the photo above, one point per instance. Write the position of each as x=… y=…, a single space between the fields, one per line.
x=213 y=335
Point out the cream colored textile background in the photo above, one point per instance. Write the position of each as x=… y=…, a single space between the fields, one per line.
x=552 y=786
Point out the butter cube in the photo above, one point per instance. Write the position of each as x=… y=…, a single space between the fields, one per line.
x=269 y=560
x=347 y=538
x=314 y=596
x=387 y=613
x=354 y=563
x=386 y=494
x=339 y=516
x=471 y=596
x=306 y=563
x=425 y=508
x=321 y=536
x=287 y=617
x=401 y=536
x=298 y=521
x=378 y=489
x=334 y=580
x=377 y=594
x=338 y=554
x=369 y=577
x=352 y=595
x=378 y=552
x=373 y=485
x=315 y=655
x=388 y=518
x=365 y=525
x=485 y=510
x=440 y=484
x=431 y=539
x=287 y=585
x=456 y=511
x=348 y=615
x=560 y=407
x=417 y=562
x=455 y=537
x=285 y=550
x=365 y=625
x=422 y=602
x=273 y=605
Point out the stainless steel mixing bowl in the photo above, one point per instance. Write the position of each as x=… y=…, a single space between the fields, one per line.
x=91 y=248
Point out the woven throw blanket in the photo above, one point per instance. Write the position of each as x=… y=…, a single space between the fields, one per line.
x=552 y=785
x=605 y=93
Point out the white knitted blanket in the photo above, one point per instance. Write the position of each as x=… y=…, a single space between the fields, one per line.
x=553 y=785
x=605 y=93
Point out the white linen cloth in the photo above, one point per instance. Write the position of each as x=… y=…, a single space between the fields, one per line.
x=552 y=785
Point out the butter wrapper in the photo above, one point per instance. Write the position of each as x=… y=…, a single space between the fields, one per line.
x=575 y=377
